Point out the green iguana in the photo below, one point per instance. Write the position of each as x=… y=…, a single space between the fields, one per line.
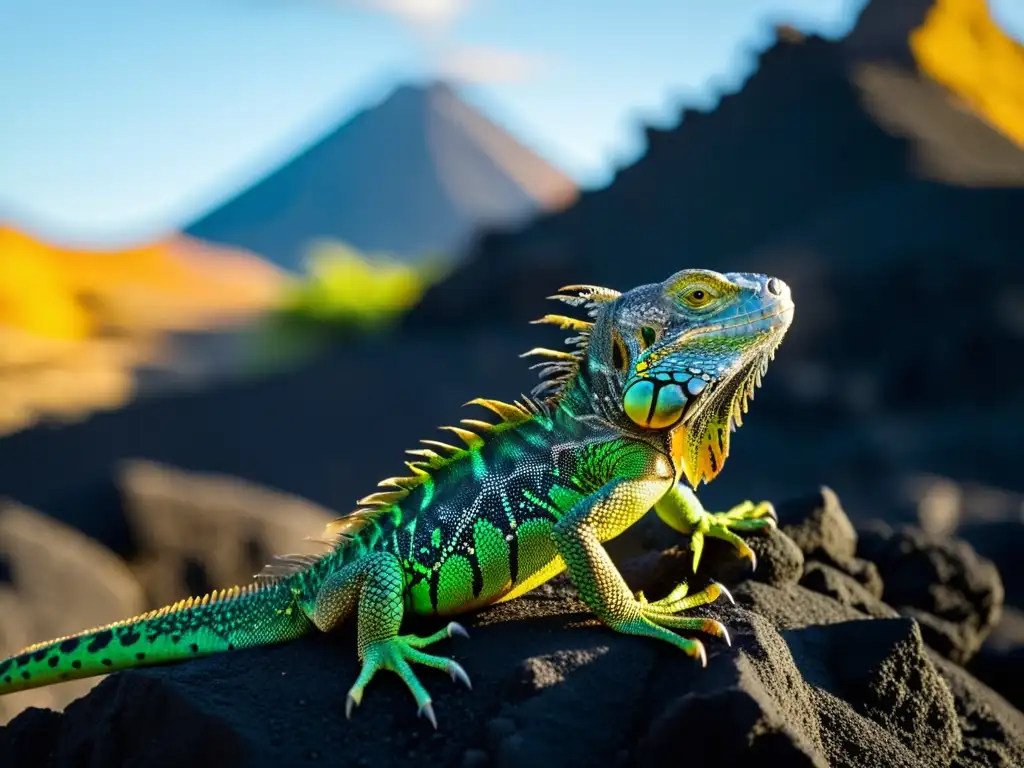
x=645 y=397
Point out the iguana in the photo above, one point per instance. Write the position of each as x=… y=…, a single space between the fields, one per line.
x=639 y=406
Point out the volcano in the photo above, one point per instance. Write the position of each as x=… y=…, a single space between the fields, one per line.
x=418 y=174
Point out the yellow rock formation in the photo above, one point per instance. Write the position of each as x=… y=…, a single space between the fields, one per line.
x=179 y=282
x=962 y=47
x=74 y=323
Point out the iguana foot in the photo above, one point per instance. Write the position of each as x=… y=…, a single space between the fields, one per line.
x=663 y=612
x=747 y=516
x=679 y=598
x=657 y=619
x=397 y=653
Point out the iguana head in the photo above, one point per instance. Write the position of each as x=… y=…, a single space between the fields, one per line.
x=686 y=355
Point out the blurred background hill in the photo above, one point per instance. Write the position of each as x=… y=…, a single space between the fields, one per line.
x=78 y=327
x=422 y=156
x=289 y=335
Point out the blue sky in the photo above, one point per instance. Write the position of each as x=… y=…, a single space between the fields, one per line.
x=121 y=119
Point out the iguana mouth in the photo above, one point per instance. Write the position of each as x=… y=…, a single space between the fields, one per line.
x=776 y=317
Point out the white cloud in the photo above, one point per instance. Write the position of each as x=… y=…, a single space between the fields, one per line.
x=431 y=23
x=489 y=65
x=425 y=15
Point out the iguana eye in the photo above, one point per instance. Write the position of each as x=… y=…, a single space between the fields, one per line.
x=698 y=296
x=648 y=336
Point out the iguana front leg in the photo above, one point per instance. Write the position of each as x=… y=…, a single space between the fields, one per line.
x=578 y=537
x=681 y=509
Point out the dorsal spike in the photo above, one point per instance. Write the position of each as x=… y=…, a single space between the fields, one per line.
x=564 y=365
x=511 y=412
x=480 y=427
x=328 y=541
x=346 y=525
x=564 y=322
x=393 y=482
x=471 y=439
x=545 y=386
x=282 y=566
x=533 y=405
x=592 y=293
x=382 y=498
x=554 y=370
x=450 y=450
x=557 y=354
x=572 y=301
x=426 y=453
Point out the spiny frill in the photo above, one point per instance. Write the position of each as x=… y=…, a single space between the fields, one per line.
x=555 y=373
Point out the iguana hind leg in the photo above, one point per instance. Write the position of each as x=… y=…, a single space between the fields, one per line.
x=578 y=538
x=681 y=509
x=374 y=586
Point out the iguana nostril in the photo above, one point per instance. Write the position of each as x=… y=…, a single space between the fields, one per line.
x=773 y=287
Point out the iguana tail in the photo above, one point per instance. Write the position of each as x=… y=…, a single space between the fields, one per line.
x=240 y=617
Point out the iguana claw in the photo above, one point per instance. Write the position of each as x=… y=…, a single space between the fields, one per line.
x=427 y=710
x=459 y=674
x=747 y=552
x=351 y=702
x=720 y=631
x=702 y=654
x=725 y=591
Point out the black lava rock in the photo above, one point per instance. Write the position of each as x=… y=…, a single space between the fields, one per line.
x=956 y=595
x=821 y=529
x=811 y=679
x=844 y=589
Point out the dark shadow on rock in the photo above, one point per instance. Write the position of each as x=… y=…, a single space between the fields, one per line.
x=955 y=594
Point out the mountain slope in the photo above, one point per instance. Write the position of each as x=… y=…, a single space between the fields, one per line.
x=844 y=168
x=416 y=174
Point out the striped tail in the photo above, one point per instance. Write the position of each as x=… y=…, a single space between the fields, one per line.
x=240 y=617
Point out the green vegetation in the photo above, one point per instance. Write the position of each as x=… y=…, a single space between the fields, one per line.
x=343 y=294
x=344 y=289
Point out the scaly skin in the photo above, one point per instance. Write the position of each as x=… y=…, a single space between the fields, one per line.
x=641 y=407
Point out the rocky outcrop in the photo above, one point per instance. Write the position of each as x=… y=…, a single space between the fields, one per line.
x=821 y=672
x=59 y=582
x=195 y=532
